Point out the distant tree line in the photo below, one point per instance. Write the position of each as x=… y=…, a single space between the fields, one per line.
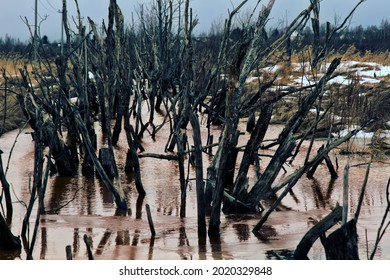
x=10 y=45
x=370 y=38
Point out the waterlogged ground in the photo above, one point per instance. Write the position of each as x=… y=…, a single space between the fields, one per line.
x=77 y=206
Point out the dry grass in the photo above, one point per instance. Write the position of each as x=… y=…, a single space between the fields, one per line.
x=11 y=115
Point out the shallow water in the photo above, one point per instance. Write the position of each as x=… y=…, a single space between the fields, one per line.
x=77 y=206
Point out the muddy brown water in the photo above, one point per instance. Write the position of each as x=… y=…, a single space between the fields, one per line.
x=76 y=206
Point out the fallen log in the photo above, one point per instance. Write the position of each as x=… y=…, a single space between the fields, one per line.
x=158 y=156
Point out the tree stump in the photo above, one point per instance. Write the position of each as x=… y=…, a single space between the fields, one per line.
x=342 y=244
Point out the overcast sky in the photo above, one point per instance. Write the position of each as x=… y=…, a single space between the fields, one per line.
x=371 y=12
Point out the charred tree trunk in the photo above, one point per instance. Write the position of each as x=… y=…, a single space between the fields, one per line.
x=199 y=175
x=181 y=142
x=7 y=240
x=132 y=157
x=6 y=189
x=287 y=143
x=262 y=188
x=251 y=123
x=62 y=155
x=257 y=136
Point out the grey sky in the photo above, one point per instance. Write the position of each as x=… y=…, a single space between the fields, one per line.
x=371 y=12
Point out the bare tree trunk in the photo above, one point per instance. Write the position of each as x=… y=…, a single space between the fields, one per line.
x=132 y=153
x=257 y=136
x=6 y=189
x=116 y=190
x=199 y=175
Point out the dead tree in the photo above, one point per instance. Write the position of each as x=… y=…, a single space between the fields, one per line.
x=286 y=142
x=247 y=55
x=341 y=244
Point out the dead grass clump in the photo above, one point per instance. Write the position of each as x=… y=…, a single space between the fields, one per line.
x=283 y=112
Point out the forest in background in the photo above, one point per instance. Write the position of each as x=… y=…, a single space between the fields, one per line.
x=364 y=39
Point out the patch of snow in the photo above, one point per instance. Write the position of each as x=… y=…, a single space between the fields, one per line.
x=304 y=81
x=74 y=100
x=385 y=134
x=360 y=134
x=272 y=69
x=91 y=76
x=342 y=80
x=369 y=80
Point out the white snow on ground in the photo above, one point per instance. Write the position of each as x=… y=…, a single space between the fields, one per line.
x=252 y=79
x=366 y=72
x=361 y=134
x=74 y=100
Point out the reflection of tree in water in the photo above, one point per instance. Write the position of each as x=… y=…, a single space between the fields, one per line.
x=184 y=242
x=283 y=254
x=138 y=209
x=322 y=200
x=122 y=237
x=78 y=191
x=266 y=234
x=183 y=239
x=76 y=242
x=242 y=231
x=43 y=243
x=103 y=242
